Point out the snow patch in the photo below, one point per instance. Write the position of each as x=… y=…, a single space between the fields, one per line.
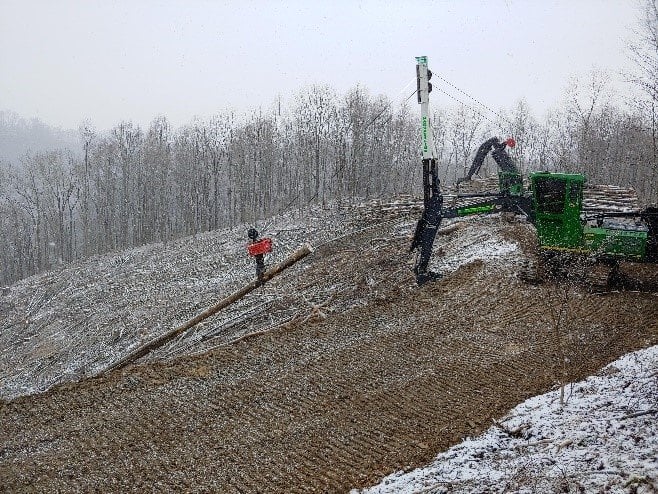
x=468 y=245
x=603 y=438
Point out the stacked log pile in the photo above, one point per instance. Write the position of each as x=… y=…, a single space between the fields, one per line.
x=378 y=209
x=609 y=199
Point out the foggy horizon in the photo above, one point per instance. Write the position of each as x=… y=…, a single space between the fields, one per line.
x=107 y=63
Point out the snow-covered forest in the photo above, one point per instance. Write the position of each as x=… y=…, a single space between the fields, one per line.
x=131 y=186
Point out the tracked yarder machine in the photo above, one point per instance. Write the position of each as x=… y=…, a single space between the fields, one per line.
x=595 y=242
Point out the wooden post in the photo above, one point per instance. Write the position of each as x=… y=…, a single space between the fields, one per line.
x=157 y=342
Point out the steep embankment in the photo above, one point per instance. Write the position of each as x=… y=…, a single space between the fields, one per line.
x=360 y=374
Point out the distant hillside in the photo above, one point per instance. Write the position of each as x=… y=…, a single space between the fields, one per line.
x=20 y=136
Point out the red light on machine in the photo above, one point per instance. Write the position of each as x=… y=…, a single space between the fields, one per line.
x=263 y=246
x=510 y=142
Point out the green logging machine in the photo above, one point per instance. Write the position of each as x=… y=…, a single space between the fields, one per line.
x=596 y=241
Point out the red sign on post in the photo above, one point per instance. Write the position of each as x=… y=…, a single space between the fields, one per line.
x=263 y=246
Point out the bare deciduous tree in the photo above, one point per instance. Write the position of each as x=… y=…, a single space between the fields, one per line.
x=644 y=52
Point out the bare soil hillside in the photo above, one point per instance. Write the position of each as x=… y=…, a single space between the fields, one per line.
x=345 y=371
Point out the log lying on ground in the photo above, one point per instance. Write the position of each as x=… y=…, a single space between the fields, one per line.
x=157 y=342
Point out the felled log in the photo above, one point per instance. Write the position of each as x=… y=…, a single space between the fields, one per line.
x=225 y=302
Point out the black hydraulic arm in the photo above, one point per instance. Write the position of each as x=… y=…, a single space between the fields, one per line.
x=429 y=222
x=434 y=213
x=499 y=154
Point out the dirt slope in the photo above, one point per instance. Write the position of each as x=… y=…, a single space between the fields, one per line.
x=382 y=376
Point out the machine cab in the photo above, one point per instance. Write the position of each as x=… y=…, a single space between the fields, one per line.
x=557 y=200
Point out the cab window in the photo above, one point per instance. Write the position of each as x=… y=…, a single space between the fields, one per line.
x=550 y=194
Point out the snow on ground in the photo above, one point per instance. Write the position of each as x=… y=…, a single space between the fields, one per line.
x=74 y=321
x=604 y=438
x=483 y=242
x=71 y=323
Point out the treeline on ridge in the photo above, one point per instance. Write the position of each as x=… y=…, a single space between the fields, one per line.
x=133 y=186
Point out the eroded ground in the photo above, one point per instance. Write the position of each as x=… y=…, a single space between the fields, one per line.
x=381 y=377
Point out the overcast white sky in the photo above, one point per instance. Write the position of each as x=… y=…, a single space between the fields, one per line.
x=68 y=60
